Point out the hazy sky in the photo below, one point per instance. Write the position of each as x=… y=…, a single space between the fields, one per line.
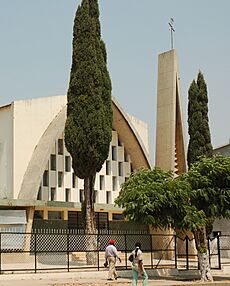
x=36 y=51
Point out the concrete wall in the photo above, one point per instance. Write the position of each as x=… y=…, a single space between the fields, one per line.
x=6 y=152
x=222 y=225
x=31 y=119
x=142 y=129
x=223 y=150
x=170 y=154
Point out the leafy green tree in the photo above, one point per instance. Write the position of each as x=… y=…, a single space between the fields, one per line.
x=209 y=184
x=88 y=129
x=191 y=202
x=209 y=187
x=154 y=197
x=198 y=123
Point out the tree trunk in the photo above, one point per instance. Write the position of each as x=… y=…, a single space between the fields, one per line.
x=205 y=267
x=90 y=225
x=203 y=256
x=209 y=226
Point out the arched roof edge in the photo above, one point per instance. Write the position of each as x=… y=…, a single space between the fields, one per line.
x=36 y=166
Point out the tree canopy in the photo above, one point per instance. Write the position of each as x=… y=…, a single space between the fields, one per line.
x=198 y=123
x=189 y=202
x=209 y=187
x=88 y=129
x=154 y=197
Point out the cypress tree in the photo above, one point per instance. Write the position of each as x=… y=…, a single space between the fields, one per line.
x=88 y=129
x=198 y=123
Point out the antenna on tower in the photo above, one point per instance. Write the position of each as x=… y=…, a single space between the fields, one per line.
x=171 y=23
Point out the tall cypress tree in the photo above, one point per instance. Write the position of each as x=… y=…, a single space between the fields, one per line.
x=88 y=129
x=198 y=123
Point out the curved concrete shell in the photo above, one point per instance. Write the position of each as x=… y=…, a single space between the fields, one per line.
x=130 y=137
x=121 y=123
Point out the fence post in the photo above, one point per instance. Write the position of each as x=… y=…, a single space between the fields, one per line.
x=218 y=249
x=126 y=266
x=35 y=252
x=151 y=245
x=68 y=251
x=98 y=251
x=175 y=250
x=187 y=262
x=209 y=252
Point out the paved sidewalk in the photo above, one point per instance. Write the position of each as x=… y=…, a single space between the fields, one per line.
x=98 y=278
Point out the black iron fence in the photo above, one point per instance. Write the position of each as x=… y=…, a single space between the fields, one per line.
x=62 y=250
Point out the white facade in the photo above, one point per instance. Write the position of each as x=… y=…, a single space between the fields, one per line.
x=60 y=184
x=35 y=165
x=6 y=152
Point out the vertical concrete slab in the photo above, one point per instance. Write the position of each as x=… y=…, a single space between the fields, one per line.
x=170 y=153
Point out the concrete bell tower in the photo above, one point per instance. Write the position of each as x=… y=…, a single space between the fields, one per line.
x=170 y=151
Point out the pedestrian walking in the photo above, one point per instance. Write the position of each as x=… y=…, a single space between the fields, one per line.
x=138 y=266
x=111 y=256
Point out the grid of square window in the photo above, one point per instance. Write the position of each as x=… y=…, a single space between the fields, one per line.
x=60 y=184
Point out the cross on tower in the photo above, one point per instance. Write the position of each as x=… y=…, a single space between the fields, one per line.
x=171 y=22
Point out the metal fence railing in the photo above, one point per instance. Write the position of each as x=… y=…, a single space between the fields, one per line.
x=62 y=250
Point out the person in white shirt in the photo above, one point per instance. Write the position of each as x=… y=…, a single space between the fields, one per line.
x=110 y=258
x=138 y=266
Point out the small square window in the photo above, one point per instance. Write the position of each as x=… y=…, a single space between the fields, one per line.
x=102 y=182
x=53 y=194
x=118 y=216
x=126 y=157
x=108 y=167
x=46 y=178
x=114 y=183
x=67 y=164
x=120 y=168
x=60 y=147
x=114 y=153
x=108 y=198
x=67 y=195
x=73 y=180
x=38 y=215
x=53 y=162
x=60 y=179
x=53 y=215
